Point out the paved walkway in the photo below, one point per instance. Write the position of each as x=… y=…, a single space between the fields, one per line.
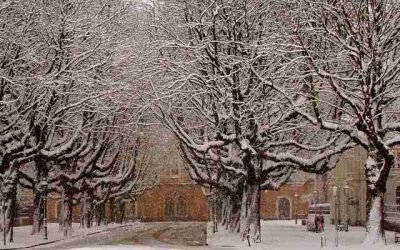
x=166 y=235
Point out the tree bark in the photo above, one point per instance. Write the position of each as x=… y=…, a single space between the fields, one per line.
x=112 y=210
x=231 y=213
x=37 y=220
x=99 y=213
x=86 y=211
x=66 y=214
x=377 y=171
x=121 y=211
x=251 y=218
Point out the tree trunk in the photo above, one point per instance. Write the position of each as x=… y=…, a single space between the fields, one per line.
x=112 y=210
x=251 y=207
x=86 y=211
x=231 y=213
x=121 y=211
x=66 y=214
x=37 y=220
x=99 y=213
x=13 y=213
x=377 y=170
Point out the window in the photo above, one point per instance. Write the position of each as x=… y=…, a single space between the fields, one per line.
x=181 y=207
x=176 y=207
x=169 y=207
x=284 y=208
x=58 y=210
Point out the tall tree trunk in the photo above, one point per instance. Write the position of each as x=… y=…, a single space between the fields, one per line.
x=377 y=170
x=231 y=214
x=66 y=214
x=10 y=199
x=112 y=210
x=100 y=213
x=37 y=220
x=121 y=211
x=86 y=211
x=38 y=214
x=251 y=213
x=13 y=213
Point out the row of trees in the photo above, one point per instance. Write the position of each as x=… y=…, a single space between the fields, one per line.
x=68 y=123
x=255 y=90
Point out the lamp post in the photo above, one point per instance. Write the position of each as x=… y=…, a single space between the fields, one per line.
x=296 y=203
x=335 y=195
x=346 y=189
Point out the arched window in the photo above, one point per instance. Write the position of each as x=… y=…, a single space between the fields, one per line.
x=284 y=208
x=169 y=209
x=181 y=207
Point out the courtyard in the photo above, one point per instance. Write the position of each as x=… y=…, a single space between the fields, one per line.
x=276 y=234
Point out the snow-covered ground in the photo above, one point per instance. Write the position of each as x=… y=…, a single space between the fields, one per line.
x=285 y=235
x=23 y=237
x=123 y=247
x=276 y=235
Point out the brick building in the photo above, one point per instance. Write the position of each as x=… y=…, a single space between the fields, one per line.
x=290 y=200
x=176 y=198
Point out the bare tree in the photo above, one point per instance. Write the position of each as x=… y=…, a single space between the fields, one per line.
x=345 y=57
x=216 y=66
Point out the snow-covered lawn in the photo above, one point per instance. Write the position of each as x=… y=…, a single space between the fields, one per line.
x=23 y=237
x=284 y=235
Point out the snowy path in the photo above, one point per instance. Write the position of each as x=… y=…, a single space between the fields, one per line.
x=156 y=235
x=286 y=235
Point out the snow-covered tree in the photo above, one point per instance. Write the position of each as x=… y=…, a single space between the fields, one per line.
x=211 y=86
x=64 y=92
x=345 y=57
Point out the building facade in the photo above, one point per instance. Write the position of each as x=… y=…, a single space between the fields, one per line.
x=349 y=204
x=290 y=201
x=176 y=198
x=392 y=196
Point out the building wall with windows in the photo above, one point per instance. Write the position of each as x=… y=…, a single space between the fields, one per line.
x=392 y=196
x=349 y=178
x=283 y=203
x=176 y=198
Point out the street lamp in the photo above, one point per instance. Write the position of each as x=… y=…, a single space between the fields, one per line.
x=296 y=203
x=335 y=195
x=346 y=189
